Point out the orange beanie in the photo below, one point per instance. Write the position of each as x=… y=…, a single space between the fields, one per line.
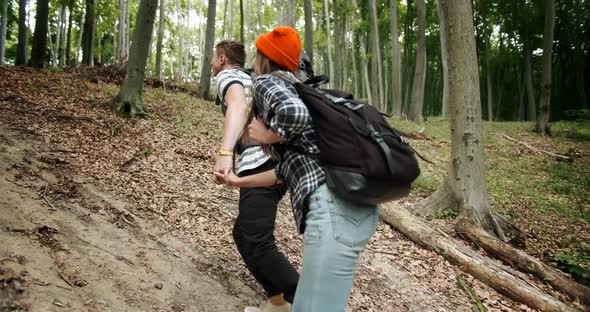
x=282 y=46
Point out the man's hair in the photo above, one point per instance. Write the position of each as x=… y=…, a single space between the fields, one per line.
x=233 y=50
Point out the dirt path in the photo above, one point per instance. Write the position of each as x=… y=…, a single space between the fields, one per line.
x=88 y=252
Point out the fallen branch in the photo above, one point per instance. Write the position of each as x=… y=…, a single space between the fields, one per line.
x=522 y=261
x=495 y=275
x=536 y=150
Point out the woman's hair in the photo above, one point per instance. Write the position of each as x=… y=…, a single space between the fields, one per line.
x=262 y=65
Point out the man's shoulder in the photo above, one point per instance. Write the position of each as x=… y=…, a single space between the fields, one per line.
x=234 y=74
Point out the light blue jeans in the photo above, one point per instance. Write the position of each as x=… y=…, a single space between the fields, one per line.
x=336 y=233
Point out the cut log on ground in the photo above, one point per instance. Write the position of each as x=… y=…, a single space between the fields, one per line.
x=522 y=261
x=493 y=274
x=536 y=150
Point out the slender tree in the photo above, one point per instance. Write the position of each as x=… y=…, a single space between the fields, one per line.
x=242 y=21
x=260 y=13
x=290 y=13
x=328 y=41
x=161 y=24
x=337 y=46
x=542 y=125
x=417 y=105
x=71 y=4
x=129 y=100
x=444 y=59
x=308 y=29
x=396 y=72
x=38 y=52
x=206 y=64
x=379 y=96
x=21 y=50
x=62 y=38
x=3 y=7
x=88 y=33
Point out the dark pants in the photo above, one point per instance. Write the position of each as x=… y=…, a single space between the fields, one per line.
x=254 y=236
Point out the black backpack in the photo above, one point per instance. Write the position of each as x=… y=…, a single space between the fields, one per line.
x=364 y=158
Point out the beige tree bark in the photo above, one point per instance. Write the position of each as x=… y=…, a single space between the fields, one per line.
x=377 y=61
x=290 y=13
x=336 y=79
x=396 y=71
x=416 y=107
x=328 y=42
x=465 y=187
x=205 y=80
x=542 y=126
x=444 y=59
x=307 y=9
x=129 y=100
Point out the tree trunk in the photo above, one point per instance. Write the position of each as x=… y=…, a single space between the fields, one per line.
x=337 y=45
x=528 y=72
x=379 y=97
x=230 y=19
x=21 y=50
x=290 y=14
x=89 y=29
x=444 y=60
x=40 y=37
x=502 y=278
x=487 y=48
x=80 y=37
x=260 y=13
x=417 y=105
x=179 y=23
x=129 y=100
x=328 y=42
x=127 y=41
x=3 y=7
x=120 y=52
x=580 y=61
x=242 y=21
x=465 y=187
x=542 y=126
x=209 y=38
x=308 y=29
x=365 y=65
x=355 y=70
x=68 y=60
x=62 y=39
x=160 y=38
x=345 y=54
x=396 y=71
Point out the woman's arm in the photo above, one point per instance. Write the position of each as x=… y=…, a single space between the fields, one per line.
x=266 y=178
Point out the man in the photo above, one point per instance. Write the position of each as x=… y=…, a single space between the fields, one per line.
x=254 y=227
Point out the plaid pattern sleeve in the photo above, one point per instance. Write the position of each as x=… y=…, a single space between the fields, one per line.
x=288 y=116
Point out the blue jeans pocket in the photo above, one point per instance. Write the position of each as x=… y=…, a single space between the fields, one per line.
x=352 y=224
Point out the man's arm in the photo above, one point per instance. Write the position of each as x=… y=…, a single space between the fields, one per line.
x=235 y=117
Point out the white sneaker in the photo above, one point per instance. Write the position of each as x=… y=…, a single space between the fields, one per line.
x=268 y=307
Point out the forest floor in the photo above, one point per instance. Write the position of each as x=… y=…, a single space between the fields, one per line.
x=103 y=213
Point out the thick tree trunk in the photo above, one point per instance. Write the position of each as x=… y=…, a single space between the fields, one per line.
x=444 y=59
x=378 y=95
x=40 y=37
x=417 y=106
x=396 y=71
x=542 y=126
x=89 y=30
x=465 y=185
x=337 y=83
x=308 y=29
x=21 y=50
x=206 y=64
x=161 y=24
x=329 y=42
x=129 y=100
x=503 y=279
x=3 y=7
x=522 y=261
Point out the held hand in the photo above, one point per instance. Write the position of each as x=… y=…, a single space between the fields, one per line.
x=223 y=165
x=230 y=180
x=260 y=133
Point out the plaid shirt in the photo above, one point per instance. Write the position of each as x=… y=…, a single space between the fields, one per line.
x=283 y=111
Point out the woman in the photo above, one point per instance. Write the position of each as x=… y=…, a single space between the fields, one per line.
x=335 y=231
